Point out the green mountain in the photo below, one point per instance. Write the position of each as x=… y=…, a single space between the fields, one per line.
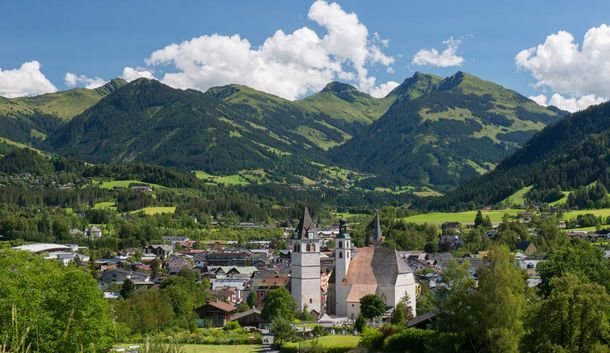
x=572 y=153
x=344 y=102
x=28 y=119
x=222 y=131
x=442 y=132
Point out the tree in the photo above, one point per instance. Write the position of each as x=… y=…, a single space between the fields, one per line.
x=371 y=306
x=499 y=303
x=478 y=219
x=127 y=289
x=252 y=299
x=61 y=306
x=360 y=324
x=278 y=303
x=282 y=330
x=582 y=260
x=573 y=318
x=398 y=315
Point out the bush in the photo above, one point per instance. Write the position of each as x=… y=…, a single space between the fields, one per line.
x=371 y=338
x=419 y=341
x=232 y=325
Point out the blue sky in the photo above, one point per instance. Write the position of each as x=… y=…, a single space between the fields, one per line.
x=99 y=39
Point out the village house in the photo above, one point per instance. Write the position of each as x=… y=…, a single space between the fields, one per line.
x=93 y=232
x=450 y=242
x=214 y=314
x=450 y=228
x=119 y=276
x=248 y=318
x=265 y=282
x=159 y=250
x=528 y=248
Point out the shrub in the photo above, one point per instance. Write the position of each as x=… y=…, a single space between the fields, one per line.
x=371 y=338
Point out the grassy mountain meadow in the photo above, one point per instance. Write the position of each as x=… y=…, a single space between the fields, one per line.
x=428 y=134
x=573 y=153
x=443 y=132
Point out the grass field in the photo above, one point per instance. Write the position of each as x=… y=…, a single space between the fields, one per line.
x=466 y=217
x=156 y=210
x=604 y=212
x=106 y=205
x=125 y=184
x=562 y=200
x=332 y=341
x=234 y=179
x=518 y=198
x=205 y=348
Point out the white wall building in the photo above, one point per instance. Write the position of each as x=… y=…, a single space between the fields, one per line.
x=305 y=278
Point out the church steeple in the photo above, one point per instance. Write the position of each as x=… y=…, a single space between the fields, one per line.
x=377 y=236
x=305 y=228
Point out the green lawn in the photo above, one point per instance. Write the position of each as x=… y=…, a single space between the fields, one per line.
x=332 y=341
x=106 y=205
x=156 y=210
x=125 y=184
x=206 y=348
x=604 y=212
x=562 y=200
x=466 y=217
x=518 y=198
x=234 y=179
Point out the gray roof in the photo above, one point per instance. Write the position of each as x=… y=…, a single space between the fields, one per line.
x=377 y=236
x=305 y=226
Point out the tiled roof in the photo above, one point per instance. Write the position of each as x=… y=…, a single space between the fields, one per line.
x=376 y=266
x=222 y=306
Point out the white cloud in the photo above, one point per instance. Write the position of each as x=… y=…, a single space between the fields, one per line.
x=130 y=74
x=72 y=80
x=447 y=58
x=27 y=80
x=570 y=104
x=383 y=89
x=289 y=65
x=569 y=68
x=540 y=99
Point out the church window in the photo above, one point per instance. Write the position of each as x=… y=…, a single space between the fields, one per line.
x=340 y=255
x=308 y=247
x=340 y=244
x=296 y=248
x=347 y=254
x=310 y=300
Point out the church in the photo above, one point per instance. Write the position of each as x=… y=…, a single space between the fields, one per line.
x=373 y=269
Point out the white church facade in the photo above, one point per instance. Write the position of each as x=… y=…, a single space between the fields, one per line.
x=371 y=269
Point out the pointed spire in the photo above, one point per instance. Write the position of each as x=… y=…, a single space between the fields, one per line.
x=305 y=225
x=377 y=236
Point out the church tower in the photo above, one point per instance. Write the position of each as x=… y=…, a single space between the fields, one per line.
x=376 y=236
x=343 y=256
x=305 y=278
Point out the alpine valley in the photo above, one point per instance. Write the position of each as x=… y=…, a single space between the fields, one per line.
x=426 y=136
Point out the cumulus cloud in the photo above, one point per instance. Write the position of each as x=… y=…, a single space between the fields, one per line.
x=570 y=104
x=446 y=58
x=130 y=74
x=72 y=80
x=383 y=89
x=580 y=72
x=27 y=80
x=289 y=65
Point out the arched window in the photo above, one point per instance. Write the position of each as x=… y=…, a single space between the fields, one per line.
x=340 y=244
x=340 y=255
x=310 y=300
x=296 y=248
x=347 y=254
x=308 y=248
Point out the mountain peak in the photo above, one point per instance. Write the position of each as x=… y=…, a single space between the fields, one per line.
x=416 y=85
x=111 y=86
x=339 y=87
